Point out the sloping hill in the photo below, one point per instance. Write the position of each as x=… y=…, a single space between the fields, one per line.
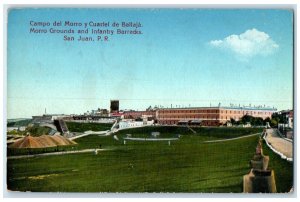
x=41 y=142
x=26 y=142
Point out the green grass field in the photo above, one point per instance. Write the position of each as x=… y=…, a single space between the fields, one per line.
x=187 y=165
x=81 y=127
x=31 y=151
x=33 y=130
x=205 y=132
x=16 y=123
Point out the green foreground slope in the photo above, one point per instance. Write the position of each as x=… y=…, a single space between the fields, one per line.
x=188 y=165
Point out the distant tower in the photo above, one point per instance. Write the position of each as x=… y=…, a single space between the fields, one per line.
x=114 y=106
x=45 y=111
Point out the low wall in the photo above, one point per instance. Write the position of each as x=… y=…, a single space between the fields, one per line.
x=259 y=183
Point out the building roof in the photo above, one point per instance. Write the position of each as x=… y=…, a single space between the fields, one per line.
x=234 y=108
x=252 y=108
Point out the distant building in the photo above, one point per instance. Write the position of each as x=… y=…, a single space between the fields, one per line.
x=117 y=115
x=139 y=114
x=205 y=116
x=289 y=115
x=132 y=124
x=47 y=118
x=22 y=128
x=210 y=116
x=12 y=129
x=102 y=112
x=90 y=118
x=99 y=112
x=114 y=106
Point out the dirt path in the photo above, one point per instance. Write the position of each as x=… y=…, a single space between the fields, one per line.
x=56 y=153
x=223 y=140
x=280 y=144
x=86 y=133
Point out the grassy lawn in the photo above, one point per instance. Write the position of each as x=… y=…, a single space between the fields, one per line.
x=188 y=165
x=38 y=130
x=205 y=132
x=94 y=141
x=17 y=123
x=33 y=130
x=81 y=127
x=30 y=151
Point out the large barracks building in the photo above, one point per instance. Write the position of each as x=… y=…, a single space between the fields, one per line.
x=205 y=116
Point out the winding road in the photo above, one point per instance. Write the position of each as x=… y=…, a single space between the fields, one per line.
x=89 y=132
x=278 y=143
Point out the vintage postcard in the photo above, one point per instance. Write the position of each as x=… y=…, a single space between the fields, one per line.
x=150 y=100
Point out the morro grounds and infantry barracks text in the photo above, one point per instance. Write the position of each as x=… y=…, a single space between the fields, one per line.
x=89 y=31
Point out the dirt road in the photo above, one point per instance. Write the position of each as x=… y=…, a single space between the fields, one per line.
x=280 y=144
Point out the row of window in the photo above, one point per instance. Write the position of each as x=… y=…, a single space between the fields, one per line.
x=187 y=111
x=187 y=117
x=214 y=111
x=202 y=123
x=200 y=117
x=245 y=112
x=179 y=118
x=238 y=117
x=196 y=113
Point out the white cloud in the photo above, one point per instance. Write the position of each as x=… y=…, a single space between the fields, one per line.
x=250 y=43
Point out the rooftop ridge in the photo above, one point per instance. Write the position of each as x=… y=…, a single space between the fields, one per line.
x=224 y=107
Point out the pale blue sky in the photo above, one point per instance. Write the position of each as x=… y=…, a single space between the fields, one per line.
x=175 y=60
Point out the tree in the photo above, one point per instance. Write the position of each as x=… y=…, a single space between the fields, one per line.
x=257 y=121
x=232 y=121
x=139 y=119
x=246 y=118
x=254 y=121
x=280 y=118
x=267 y=120
x=274 y=122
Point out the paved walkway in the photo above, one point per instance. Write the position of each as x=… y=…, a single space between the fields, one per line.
x=57 y=153
x=86 y=133
x=280 y=144
x=223 y=140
